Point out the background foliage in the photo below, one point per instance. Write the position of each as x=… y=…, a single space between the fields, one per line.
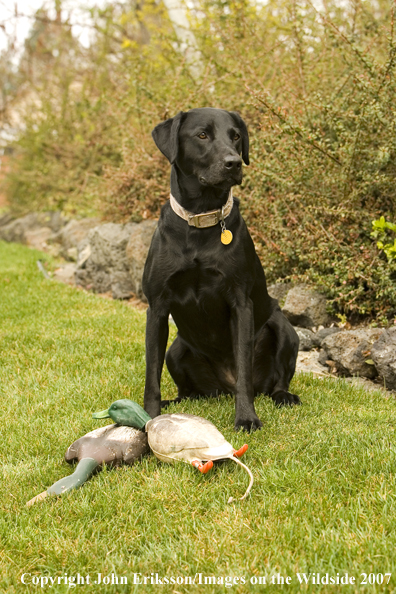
x=316 y=89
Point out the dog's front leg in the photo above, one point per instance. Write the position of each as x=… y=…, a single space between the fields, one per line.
x=243 y=343
x=157 y=330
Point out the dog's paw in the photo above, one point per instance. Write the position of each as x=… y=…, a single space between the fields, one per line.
x=165 y=403
x=249 y=425
x=285 y=399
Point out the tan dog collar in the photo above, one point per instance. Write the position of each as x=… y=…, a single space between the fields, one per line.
x=204 y=219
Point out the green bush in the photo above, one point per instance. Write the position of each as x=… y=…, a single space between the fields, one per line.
x=380 y=229
x=317 y=91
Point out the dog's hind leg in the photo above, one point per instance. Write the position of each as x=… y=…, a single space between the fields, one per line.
x=275 y=357
x=192 y=373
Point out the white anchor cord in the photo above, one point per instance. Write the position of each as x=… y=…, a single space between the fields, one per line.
x=231 y=499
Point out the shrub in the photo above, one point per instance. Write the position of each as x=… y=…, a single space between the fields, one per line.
x=380 y=229
x=317 y=91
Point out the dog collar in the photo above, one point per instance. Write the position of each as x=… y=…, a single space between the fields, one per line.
x=204 y=219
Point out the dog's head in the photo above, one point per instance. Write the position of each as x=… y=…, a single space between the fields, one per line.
x=206 y=143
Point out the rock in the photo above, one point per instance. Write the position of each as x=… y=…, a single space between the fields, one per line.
x=83 y=279
x=66 y=273
x=93 y=279
x=369 y=386
x=102 y=263
x=136 y=251
x=306 y=339
x=72 y=234
x=5 y=219
x=48 y=231
x=350 y=349
x=383 y=353
x=112 y=258
x=321 y=334
x=309 y=363
x=323 y=357
x=108 y=244
x=122 y=286
x=72 y=254
x=18 y=229
x=84 y=252
x=279 y=291
x=38 y=238
x=306 y=307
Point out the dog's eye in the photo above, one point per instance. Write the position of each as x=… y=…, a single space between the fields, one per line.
x=237 y=137
x=202 y=135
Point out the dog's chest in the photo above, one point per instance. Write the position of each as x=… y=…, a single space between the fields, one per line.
x=197 y=279
x=199 y=296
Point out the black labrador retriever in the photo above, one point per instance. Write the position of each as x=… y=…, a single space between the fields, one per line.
x=203 y=269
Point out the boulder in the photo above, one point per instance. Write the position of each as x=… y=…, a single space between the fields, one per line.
x=136 y=252
x=122 y=285
x=383 y=353
x=38 y=238
x=108 y=244
x=93 y=279
x=5 y=218
x=306 y=307
x=309 y=363
x=351 y=349
x=112 y=258
x=323 y=333
x=306 y=339
x=66 y=273
x=323 y=358
x=72 y=235
x=366 y=384
x=83 y=252
x=102 y=264
x=18 y=230
x=279 y=291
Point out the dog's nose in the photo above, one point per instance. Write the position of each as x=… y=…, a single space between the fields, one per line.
x=233 y=163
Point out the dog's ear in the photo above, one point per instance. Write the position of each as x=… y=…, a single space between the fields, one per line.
x=166 y=137
x=245 y=136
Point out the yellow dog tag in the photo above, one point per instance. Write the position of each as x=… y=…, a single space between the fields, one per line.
x=226 y=236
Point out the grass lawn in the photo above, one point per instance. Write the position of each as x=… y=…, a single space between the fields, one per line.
x=323 y=501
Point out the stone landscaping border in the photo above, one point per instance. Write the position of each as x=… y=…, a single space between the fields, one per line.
x=108 y=258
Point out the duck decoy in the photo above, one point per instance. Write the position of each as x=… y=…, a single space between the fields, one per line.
x=112 y=445
x=178 y=436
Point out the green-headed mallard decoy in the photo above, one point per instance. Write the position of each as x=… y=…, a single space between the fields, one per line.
x=178 y=436
x=112 y=445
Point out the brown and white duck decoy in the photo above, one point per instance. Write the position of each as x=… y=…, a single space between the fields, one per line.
x=179 y=436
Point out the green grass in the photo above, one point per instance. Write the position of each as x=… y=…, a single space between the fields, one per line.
x=324 y=494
